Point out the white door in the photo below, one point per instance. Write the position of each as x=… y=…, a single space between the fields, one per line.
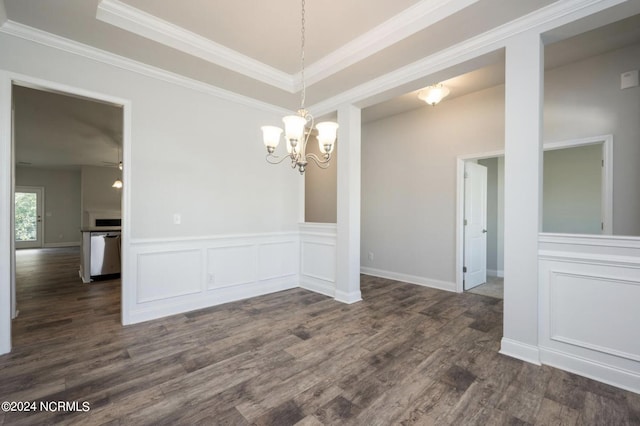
x=475 y=225
x=28 y=216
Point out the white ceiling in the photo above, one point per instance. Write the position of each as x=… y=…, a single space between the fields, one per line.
x=252 y=48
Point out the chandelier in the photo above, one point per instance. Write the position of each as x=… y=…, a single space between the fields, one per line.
x=297 y=130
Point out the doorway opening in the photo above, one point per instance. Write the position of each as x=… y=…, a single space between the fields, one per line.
x=44 y=122
x=577 y=198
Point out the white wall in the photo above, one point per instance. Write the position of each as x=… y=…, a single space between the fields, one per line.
x=589 y=292
x=61 y=202
x=197 y=155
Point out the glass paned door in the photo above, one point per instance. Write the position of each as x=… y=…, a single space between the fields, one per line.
x=28 y=217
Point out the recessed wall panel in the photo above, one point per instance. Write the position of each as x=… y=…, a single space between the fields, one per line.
x=278 y=260
x=597 y=312
x=227 y=266
x=319 y=260
x=168 y=274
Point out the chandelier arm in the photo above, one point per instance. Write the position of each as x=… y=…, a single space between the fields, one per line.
x=274 y=159
x=309 y=118
x=323 y=164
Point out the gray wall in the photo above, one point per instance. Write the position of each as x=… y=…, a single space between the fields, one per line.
x=409 y=160
x=61 y=202
x=572 y=193
x=409 y=181
x=492 y=213
x=321 y=191
x=97 y=192
x=584 y=99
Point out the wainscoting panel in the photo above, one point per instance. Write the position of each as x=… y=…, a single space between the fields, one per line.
x=589 y=310
x=609 y=305
x=180 y=275
x=277 y=259
x=228 y=266
x=318 y=257
x=166 y=275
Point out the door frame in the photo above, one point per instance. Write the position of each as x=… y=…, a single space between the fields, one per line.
x=7 y=182
x=27 y=188
x=461 y=159
x=607 y=189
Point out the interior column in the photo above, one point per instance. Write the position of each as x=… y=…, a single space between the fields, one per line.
x=524 y=85
x=348 y=206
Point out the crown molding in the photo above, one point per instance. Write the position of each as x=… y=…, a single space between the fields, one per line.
x=543 y=19
x=51 y=40
x=406 y=23
x=151 y=27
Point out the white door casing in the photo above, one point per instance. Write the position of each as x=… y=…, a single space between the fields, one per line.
x=475 y=229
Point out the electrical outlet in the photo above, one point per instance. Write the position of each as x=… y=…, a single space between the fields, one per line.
x=370 y=256
x=211 y=278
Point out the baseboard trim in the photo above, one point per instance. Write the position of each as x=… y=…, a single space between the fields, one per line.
x=317 y=286
x=67 y=244
x=348 y=298
x=605 y=373
x=411 y=279
x=210 y=298
x=495 y=273
x=522 y=351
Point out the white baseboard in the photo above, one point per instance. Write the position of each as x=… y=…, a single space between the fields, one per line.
x=495 y=273
x=318 y=286
x=411 y=279
x=609 y=374
x=210 y=298
x=520 y=350
x=67 y=244
x=348 y=298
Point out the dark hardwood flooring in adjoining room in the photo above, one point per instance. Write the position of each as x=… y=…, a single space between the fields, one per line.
x=404 y=355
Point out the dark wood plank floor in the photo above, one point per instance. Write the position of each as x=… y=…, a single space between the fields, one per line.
x=405 y=355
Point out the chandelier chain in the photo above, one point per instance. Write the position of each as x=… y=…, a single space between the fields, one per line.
x=304 y=86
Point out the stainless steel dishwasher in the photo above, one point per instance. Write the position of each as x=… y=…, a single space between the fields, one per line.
x=105 y=254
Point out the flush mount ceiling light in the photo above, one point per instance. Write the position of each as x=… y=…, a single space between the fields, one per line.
x=298 y=128
x=433 y=94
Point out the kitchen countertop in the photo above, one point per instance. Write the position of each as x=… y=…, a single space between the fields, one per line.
x=101 y=229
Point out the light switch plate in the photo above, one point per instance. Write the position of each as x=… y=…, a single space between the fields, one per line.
x=629 y=79
x=177 y=219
